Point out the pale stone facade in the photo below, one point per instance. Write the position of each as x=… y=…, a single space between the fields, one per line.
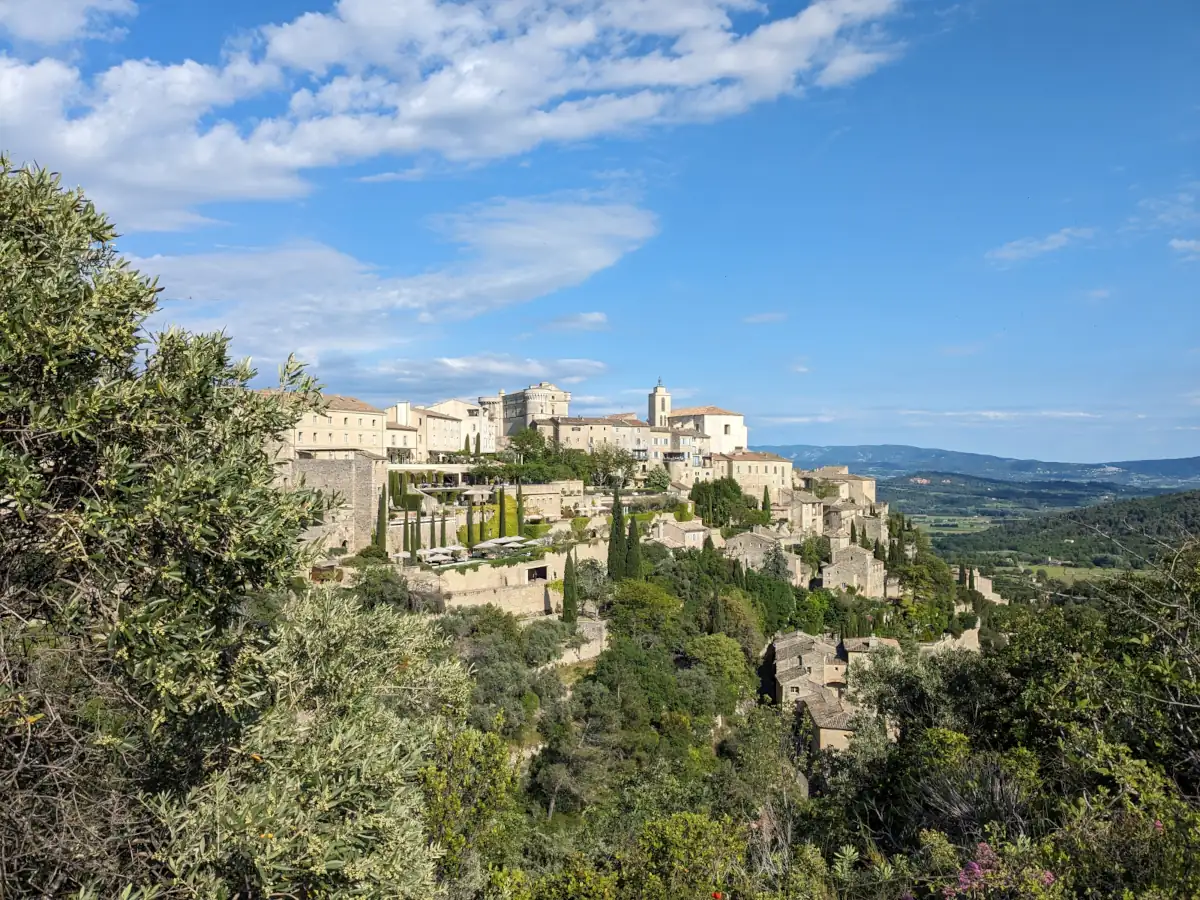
x=346 y=423
x=476 y=419
x=726 y=430
x=755 y=471
x=519 y=409
x=855 y=567
x=751 y=549
x=437 y=434
x=676 y=535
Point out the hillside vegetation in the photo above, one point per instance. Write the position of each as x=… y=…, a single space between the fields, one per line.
x=1124 y=534
x=952 y=494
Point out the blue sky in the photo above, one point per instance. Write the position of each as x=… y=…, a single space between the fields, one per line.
x=972 y=225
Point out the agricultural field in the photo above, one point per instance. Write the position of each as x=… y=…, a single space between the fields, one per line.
x=952 y=524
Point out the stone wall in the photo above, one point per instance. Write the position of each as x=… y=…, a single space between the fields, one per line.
x=358 y=482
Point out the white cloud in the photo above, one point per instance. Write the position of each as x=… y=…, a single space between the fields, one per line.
x=465 y=80
x=1190 y=250
x=584 y=321
x=1182 y=207
x=56 y=21
x=429 y=380
x=313 y=299
x=1028 y=248
x=800 y=368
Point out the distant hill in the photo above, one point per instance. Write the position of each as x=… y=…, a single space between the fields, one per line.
x=949 y=493
x=1109 y=534
x=888 y=460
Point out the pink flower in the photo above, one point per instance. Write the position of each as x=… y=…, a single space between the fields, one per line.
x=986 y=857
x=1158 y=826
x=1047 y=878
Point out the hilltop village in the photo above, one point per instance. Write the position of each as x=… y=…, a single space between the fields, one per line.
x=442 y=453
x=438 y=479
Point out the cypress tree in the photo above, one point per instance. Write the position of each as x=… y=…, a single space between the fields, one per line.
x=766 y=501
x=404 y=539
x=417 y=533
x=466 y=445
x=520 y=511
x=971 y=578
x=853 y=533
x=503 y=526
x=570 y=608
x=633 y=551
x=477 y=453
x=962 y=574
x=616 y=540
x=716 y=613
x=470 y=524
x=709 y=546
x=444 y=544
x=880 y=553
x=381 y=523
x=432 y=532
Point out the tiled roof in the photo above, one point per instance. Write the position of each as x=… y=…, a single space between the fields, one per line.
x=750 y=456
x=396 y=426
x=700 y=411
x=827 y=715
x=335 y=402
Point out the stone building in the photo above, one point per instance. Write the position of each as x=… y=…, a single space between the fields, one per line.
x=855 y=567
x=438 y=434
x=346 y=423
x=726 y=430
x=518 y=410
x=355 y=478
x=803 y=511
x=401 y=443
x=476 y=419
x=751 y=549
x=677 y=535
x=858 y=488
x=754 y=471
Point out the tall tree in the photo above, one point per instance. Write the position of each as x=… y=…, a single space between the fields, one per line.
x=962 y=574
x=853 y=533
x=470 y=524
x=140 y=521
x=477 y=453
x=466 y=445
x=616 y=540
x=716 y=613
x=520 y=511
x=444 y=517
x=633 y=551
x=503 y=525
x=766 y=500
x=416 y=534
x=381 y=523
x=775 y=564
x=405 y=539
x=880 y=552
x=432 y=530
x=570 y=608
x=971 y=578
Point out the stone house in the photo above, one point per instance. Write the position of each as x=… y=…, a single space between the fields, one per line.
x=727 y=430
x=346 y=423
x=855 y=567
x=751 y=548
x=754 y=472
x=803 y=511
x=806 y=665
x=676 y=535
x=475 y=420
x=829 y=724
x=401 y=442
x=437 y=434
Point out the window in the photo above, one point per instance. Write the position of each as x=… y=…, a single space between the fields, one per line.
x=300 y=437
x=727 y=429
x=345 y=420
x=662 y=404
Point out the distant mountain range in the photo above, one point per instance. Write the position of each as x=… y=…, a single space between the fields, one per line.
x=890 y=460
